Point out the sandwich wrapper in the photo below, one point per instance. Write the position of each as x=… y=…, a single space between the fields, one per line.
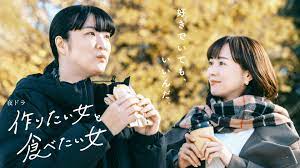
x=200 y=126
x=122 y=90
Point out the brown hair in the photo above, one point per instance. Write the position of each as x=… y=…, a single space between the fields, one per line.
x=251 y=56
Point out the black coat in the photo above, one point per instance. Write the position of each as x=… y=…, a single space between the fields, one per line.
x=61 y=140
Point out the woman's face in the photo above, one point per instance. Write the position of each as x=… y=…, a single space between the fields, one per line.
x=89 y=49
x=226 y=78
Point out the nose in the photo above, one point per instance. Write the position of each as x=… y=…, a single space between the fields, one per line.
x=100 y=42
x=212 y=71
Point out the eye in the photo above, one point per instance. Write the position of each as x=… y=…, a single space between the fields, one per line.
x=91 y=33
x=222 y=63
x=107 y=36
x=210 y=62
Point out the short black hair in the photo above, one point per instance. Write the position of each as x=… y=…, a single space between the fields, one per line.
x=73 y=18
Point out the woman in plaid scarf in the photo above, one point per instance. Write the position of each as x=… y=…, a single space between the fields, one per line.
x=249 y=130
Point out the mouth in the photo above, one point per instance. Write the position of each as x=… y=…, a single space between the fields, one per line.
x=101 y=58
x=214 y=82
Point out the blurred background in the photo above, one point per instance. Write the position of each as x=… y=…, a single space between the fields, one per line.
x=161 y=44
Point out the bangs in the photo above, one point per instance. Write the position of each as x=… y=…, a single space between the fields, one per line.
x=213 y=51
x=104 y=22
x=234 y=43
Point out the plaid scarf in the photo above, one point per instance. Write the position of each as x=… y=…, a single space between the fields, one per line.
x=239 y=114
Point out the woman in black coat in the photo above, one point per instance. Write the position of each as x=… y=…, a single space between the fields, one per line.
x=59 y=118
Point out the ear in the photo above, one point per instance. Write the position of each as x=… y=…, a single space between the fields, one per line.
x=61 y=45
x=247 y=77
